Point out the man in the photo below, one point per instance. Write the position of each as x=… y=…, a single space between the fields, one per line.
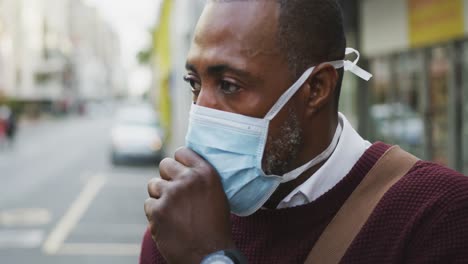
x=11 y=127
x=5 y=114
x=266 y=78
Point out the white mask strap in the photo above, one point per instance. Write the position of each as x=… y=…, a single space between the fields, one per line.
x=348 y=66
x=354 y=68
x=292 y=175
x=287 y=95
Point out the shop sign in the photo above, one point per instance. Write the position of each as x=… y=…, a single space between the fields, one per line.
x=434 y=21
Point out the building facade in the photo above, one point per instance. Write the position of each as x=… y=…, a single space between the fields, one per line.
x=418 y=52
x=173 y=36
x=55 y=52
x=8 y=11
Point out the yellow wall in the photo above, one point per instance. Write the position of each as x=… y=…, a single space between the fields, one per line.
x=162 y=60
x=433 y=21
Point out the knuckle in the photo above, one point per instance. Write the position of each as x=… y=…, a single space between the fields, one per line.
x=156 y=210
x=196 y=180
x=207 y=171
x=180 y=153
x=162 y=212
x=150 y=186
x=148 y=206
x=154 y=187
x=164 y=163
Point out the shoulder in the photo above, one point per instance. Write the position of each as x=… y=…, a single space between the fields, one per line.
x=421 y=219
x=429 y=205
x=440 y=218
x=434 y=179
x=429 y=189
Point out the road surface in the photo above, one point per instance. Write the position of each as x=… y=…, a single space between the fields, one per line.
x=61 y=201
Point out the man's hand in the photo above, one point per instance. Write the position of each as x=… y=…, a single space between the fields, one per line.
x=188 y=212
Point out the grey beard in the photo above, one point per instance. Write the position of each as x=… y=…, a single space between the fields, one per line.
x=284 y=149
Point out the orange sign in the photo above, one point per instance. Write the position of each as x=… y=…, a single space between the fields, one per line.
x=433 y=21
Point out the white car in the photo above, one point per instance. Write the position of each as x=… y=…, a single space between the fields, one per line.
x=136 y=135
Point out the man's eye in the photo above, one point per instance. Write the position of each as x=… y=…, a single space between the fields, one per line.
x=229 y=88
x=196 y=86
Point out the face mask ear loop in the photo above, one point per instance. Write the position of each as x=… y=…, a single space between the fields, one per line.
x=351 y=51
x=288 y=94
x=294 y=174
x=294 y=88
x=348 y=66
x=354 y=68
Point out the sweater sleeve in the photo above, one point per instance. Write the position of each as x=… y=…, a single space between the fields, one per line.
x=445 y=239
x=148 y=249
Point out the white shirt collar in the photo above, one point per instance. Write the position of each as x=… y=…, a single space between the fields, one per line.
x=350 y=148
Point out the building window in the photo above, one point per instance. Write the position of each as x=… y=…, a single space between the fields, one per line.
x=465 y=106
x=439 y=80
x=396 y=110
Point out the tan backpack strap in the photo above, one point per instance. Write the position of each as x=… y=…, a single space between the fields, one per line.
x=348 y=221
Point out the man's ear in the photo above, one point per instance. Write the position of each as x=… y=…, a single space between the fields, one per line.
x=321 y=88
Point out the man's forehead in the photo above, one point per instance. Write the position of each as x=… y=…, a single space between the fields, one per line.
x=231 y=1
x=251 y=24
x=244 y=11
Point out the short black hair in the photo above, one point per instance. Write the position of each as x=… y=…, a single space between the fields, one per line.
x=311 y=32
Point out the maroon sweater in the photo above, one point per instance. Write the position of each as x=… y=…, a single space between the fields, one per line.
x=423 y=218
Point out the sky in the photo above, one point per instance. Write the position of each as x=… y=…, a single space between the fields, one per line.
x=132 y=20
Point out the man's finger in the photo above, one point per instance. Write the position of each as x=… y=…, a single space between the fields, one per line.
x=150 y=205
x=156 y=187
x=188 y=157
x=151 y=208
x=170 y=169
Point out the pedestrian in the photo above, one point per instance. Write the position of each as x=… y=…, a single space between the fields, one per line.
x=11 y=127
x=2 y=131
x=273 y=173
x=4 y=114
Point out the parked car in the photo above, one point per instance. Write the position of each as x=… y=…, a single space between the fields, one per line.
x=136 y=135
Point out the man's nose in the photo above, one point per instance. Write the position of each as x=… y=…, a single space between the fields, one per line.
x=207 y=98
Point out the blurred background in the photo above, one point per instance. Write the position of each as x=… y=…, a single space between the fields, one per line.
x=92 y=97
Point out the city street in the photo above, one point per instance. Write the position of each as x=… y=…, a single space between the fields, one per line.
x=61 y=201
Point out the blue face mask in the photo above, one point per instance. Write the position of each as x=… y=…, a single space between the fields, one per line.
x=234 y=145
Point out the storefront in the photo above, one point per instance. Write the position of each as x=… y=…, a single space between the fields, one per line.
x=462 y=72
x=418 y=53
x=349 y=90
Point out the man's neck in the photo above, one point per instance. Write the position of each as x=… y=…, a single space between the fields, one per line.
x=286 y=188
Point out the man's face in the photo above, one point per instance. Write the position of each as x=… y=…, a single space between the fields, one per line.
x=235 y=65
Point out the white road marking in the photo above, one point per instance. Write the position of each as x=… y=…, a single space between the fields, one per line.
x=100 y=249
x=73 y=215
x=21 y=238
x=25 y=217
